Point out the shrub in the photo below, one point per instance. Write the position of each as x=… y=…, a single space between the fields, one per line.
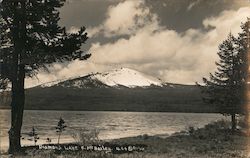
x=86 y=137
x=34 y=136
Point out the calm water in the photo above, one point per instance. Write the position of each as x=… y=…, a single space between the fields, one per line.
x=110 y=124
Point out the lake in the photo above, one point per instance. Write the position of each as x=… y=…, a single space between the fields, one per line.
x=111 y=125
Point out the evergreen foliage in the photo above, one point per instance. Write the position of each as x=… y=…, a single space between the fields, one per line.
x=31 y=39
x=227 y=86
x=60 y=128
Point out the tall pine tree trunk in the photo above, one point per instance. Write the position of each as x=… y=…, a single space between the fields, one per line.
x=17 y=107
x=18 y=77
x=233 y=122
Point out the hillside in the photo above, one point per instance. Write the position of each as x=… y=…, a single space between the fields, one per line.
x=178 y=99
x=114 y=78
x=115 y=91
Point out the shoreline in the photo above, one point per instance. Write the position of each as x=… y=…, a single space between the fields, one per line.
x=66 y=110
x=213 y=140
x=67 y=141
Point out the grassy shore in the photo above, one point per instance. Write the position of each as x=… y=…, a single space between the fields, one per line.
x=214 y=140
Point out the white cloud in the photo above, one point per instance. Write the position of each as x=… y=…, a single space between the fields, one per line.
x=174 y=57
x=227 y=21
x=125 y=18
x=61 y=71
x=73 y=29
x=122 y=17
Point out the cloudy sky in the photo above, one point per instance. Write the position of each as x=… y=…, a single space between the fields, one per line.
x=174 y=40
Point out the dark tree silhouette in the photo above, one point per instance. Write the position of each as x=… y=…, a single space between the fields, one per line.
x=227 y=87
x=33 y=135
x=60 y=128
x=32 y=39
x=4 y=48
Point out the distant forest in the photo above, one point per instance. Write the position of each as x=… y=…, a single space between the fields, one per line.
x=175 y=98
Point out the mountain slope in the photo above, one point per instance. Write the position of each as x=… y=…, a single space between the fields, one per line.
x=119 y=77
x=116 y=90
x=126 y=77
x=176 y=98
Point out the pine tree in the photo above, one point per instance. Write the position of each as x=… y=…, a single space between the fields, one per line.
x=226 y=88
x=4 y=49
x=60 y=128
x=243 y=48
x=31 y=39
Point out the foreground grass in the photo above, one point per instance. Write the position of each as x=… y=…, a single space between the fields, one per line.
x=214 y=140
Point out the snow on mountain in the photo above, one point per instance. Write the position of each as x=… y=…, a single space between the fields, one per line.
x=56 y=82
x=126 y=77
x=118 y=77
x=52 y=83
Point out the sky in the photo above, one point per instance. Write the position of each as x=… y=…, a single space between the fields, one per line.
x=174 y=40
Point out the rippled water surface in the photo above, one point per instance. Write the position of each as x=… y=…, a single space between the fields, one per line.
x=110 y=124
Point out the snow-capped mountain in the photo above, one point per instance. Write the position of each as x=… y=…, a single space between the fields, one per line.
x=126 y=77
x=116 y=90
x=119 y=77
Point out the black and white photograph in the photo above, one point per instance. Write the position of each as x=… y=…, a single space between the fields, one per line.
x=124 y=79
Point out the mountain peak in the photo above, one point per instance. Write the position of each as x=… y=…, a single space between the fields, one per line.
x=118 y=77
x=126 y=77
